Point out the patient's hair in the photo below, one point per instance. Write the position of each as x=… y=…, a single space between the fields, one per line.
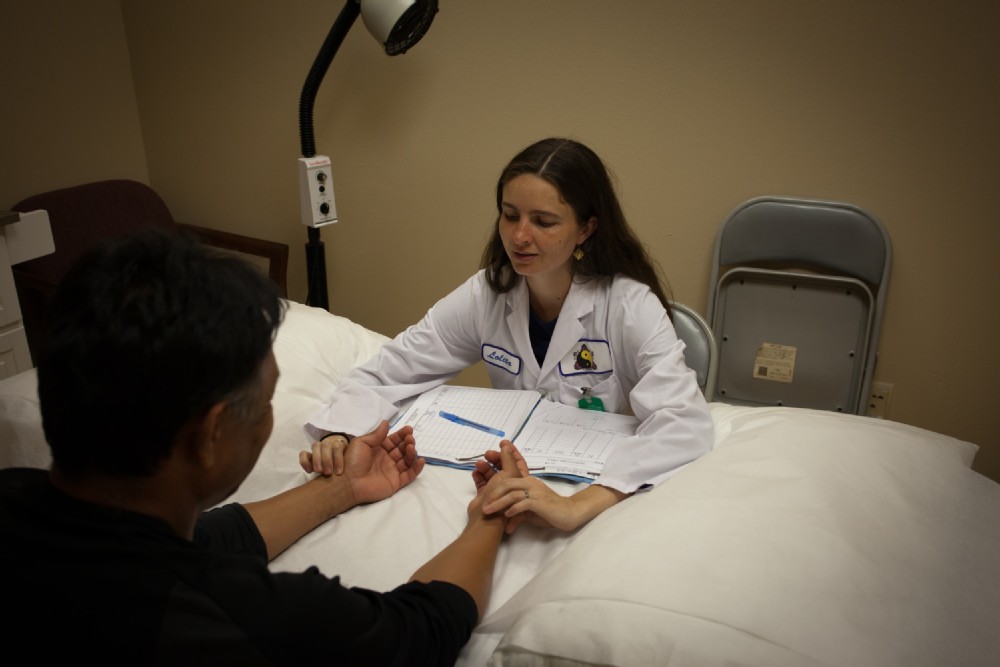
x=584 y=183
x=144 y=333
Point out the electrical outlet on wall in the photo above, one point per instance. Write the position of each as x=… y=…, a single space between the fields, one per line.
x=878 y=401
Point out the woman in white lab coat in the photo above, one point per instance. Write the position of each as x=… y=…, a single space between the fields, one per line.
x=567 y=302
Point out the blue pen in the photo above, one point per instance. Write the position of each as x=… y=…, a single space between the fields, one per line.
x=466 y=422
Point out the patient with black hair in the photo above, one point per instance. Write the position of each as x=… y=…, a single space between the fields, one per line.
x=155 y=387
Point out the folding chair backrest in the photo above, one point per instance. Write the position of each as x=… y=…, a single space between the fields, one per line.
x=700 y=351
x=796 y=301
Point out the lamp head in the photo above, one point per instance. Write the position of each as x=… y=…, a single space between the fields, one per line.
x=398 y=24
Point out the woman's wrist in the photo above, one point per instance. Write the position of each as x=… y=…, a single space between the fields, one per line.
x=346 y=438
x=591 y=501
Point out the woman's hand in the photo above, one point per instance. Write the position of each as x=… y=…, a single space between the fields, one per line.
x=487 y=476
x=520 y=497
x=327 y=455
x=492 y=463
x=528 y=499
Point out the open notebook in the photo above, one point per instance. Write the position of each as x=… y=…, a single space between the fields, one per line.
x=455 y=425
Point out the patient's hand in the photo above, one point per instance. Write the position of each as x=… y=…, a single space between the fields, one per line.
x=492 y=463
x=509 y=464
x=378 y=464
x=492 y=470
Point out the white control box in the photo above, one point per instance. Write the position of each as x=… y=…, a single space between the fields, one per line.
x=316 y=191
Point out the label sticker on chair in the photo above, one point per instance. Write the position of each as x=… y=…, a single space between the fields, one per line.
x=774 y=362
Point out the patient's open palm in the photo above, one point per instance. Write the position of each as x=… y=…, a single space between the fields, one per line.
x=377 y=465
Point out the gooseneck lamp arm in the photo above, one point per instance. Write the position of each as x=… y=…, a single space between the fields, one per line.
x=398 y=25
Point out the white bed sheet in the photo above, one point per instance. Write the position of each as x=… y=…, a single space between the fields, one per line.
x=803 y=538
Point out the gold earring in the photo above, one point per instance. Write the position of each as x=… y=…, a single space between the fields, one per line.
x=578 y=254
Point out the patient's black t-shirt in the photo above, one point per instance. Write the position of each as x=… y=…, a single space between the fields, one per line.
x=98 y=584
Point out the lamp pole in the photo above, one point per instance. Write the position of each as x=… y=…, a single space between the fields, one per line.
x=398 y=25
x=315 y=250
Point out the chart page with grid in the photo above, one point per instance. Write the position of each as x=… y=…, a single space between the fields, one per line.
x=567 y=441
x=456 y=425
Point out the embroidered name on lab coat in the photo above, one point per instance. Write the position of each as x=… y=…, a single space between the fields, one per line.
x=501 y=358
x=587 y=357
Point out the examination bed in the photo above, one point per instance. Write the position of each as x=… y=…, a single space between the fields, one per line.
x=803 y=538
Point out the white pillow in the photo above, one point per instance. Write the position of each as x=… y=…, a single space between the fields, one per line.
x=804 y=537
x=315 y=349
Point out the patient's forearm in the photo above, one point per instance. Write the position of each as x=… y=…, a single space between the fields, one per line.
x=468 y=562
x=286 y=517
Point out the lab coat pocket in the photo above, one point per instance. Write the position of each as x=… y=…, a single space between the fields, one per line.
x=608 y=390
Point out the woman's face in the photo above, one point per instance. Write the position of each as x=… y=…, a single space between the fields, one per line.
x=538 y=229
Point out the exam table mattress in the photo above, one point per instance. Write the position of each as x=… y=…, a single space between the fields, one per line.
x=802 y=538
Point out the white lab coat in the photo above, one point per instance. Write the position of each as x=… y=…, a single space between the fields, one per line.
x=635 y=365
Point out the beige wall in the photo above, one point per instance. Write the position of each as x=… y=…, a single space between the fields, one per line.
x=697 y=106
x=67 y=105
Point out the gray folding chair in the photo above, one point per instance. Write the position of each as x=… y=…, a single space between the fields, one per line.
x=700 y=351
x=796 y=301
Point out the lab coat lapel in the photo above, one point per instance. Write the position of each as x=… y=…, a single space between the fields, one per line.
x=517 y=324
x=569 y=328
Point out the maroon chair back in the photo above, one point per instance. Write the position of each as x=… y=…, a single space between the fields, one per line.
x=81 y=216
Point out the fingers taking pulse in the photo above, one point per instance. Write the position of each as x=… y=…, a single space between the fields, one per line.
x=327 y=456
